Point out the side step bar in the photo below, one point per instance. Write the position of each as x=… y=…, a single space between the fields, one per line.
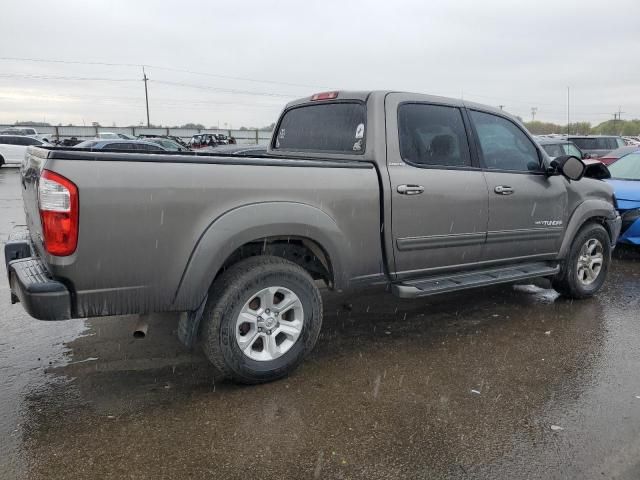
x=478 y=278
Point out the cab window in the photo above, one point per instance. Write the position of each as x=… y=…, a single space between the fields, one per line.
x=503 y=145
x=432 y=135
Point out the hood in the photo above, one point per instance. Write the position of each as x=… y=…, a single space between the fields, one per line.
x=626 y=189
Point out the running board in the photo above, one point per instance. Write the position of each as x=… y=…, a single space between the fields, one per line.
x=477 y=278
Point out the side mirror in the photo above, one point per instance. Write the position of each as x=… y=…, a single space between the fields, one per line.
x=571 y=167
x=586 y=156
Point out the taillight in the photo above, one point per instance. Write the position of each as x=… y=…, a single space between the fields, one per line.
x=324 y=96
x=58 y=203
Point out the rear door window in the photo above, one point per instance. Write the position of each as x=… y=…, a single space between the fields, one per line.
x=554 y=150
x=328 y=127
x=120 y=146
x=432 y=135
x=8 y=140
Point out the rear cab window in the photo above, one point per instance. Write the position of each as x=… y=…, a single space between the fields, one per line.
x=336 y=127
x=432 y=135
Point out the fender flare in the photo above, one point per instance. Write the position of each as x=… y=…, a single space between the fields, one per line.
x=582 y=214
x=238 y=227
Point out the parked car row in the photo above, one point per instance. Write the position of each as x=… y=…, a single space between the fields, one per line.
x=203 y=140
x=14 y=147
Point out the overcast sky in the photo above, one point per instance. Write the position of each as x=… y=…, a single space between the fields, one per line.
x=247 y=59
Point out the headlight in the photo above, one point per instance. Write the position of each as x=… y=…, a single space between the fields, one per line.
x=629 y=217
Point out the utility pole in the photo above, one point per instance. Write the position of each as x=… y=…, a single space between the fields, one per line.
x=568 y=116
x=534 y=110
x=618 y=114
x=146 y=94
x=501 y=107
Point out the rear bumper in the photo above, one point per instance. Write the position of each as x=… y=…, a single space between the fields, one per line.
x=31 y=284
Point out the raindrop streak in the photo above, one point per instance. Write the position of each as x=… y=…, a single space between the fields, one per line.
x=318 y=469
x=376 y=386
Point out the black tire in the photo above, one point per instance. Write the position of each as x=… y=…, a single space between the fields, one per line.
x=229 y=294
x=1 y=161
x=567 y=282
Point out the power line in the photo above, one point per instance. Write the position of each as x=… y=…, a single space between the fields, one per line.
x=64 y=77
x=222 y=90
x=161 y=67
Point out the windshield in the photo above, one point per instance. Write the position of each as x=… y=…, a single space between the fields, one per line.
x=626 y=168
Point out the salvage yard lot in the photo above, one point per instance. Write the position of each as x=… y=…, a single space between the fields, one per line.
x=499 y=383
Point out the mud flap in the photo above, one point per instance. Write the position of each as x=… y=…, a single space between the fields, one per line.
x=189 y=325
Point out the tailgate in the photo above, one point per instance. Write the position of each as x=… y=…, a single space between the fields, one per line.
x=30 y=172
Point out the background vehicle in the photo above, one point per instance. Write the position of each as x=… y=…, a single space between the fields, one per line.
x=596 y=145
x=241 y=150
x=204 y=140
x=174 y=138
x=222 y=139
x=137 y=145
x=114 y=136
x=167 y=144
x=14 y=147
x=557 y=147
x=24 y=132
x=357 y=189
x=625 y=180
x=612 y=156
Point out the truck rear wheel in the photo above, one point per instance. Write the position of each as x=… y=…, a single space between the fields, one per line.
x=585 y=268
x=263 y=316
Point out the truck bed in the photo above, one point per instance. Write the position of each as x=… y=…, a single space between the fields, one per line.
x=155 y=228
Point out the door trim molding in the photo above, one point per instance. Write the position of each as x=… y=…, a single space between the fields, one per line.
x=501 y=236
x=439 y=241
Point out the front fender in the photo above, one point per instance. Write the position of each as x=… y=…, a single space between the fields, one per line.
x=251 y=223
x=594 y=208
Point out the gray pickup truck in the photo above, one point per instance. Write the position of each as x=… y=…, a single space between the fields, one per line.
x=424 y=194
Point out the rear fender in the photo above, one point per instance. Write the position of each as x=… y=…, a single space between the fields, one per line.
x=251 y=223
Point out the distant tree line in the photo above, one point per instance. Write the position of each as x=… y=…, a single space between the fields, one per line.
x=610 y=127
x=193 y=126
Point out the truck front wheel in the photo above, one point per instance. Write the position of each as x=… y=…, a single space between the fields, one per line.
x=263 y=316
x=585 y=268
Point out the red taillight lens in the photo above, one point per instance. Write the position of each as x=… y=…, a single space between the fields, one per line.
x=58 y=203
x=324 y=96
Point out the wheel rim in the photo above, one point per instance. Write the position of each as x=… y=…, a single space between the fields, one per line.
x=269 y=323
x=590 y=261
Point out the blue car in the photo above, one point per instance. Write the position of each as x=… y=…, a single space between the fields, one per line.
x=625 y=180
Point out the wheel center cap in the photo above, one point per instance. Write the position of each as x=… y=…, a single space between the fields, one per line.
x=269 y=322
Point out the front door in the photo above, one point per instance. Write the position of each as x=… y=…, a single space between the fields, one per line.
x=438 y=193
x=527 y=208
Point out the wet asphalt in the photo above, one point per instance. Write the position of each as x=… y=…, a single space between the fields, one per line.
x=501 y=383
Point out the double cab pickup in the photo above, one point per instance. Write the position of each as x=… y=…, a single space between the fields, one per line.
x=424 y=194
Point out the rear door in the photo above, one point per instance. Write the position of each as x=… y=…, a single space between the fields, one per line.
x=438 y=192
x=527 y=208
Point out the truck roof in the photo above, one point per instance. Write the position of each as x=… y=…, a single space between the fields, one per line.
x=364 y=95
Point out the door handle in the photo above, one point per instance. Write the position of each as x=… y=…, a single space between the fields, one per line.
x=503 y=190
x=410 y=189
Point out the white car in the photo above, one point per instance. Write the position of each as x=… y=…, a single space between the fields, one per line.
x=25 y=132
x=14 y=147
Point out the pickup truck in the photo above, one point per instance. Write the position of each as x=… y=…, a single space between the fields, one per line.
x=423 y=194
